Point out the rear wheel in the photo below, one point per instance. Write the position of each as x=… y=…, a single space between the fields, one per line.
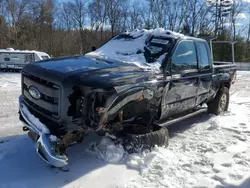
x=220 y=103
x=137 y=138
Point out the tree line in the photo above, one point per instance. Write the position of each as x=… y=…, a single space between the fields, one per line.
x=63 y=28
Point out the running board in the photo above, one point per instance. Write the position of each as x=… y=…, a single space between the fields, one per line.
x=169 y=122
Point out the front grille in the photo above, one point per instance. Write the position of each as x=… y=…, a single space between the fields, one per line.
x=52 y=100
x=40 y=80
x=41 y=109
x=48 y=104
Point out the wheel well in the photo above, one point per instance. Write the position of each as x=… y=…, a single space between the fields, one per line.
x=135 y=109
x=226 y=84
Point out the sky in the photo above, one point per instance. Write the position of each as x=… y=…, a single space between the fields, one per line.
x=243 y=18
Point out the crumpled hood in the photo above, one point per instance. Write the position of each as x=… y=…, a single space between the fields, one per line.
x=111 y=77
x=71 y=64
x=93 y=72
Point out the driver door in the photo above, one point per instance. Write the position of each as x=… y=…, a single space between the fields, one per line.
x=182 y=88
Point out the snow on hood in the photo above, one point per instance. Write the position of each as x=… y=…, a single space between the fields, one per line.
x=131 y=49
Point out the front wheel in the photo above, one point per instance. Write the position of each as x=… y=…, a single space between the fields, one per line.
x=220 y=103
x=137 y=138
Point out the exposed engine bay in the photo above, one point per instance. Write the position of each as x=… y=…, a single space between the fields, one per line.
x=106 y=111
x=96 y=109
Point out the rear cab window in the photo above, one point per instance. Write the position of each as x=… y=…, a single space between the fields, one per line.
x=204 y=63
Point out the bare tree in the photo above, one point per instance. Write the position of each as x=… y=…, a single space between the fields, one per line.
x=65 y=16
x=157 y=12
x=182 y=12
x=98 y=15
x=176 y=14
x=123 y=21
x=2 y=7
x=136 y=15
x=114 y=14
x=43 y=20
x=3 y=28
x=2 y=12
x=150 y=18
x=237 y=8
x=62 y=28
x=198 y=10
x=16 y=10
x=78 y=8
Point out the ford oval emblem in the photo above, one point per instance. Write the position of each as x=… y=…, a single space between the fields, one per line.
x=34 y=92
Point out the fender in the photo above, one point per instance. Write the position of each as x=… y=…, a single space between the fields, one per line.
x=218 y=82
x=225 y=81
x=225 y=77
x=119 y=100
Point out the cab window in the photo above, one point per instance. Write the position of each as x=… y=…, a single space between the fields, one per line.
x=184 y=57
x=203 y=56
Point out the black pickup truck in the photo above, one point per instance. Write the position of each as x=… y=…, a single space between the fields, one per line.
x=133 y=87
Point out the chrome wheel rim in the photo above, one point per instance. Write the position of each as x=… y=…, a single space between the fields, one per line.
x=223 y=102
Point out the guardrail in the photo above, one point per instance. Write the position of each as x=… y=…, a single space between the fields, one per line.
x=244 y=66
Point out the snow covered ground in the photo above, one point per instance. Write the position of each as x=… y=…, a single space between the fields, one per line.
x=10 y=89
x=204 y=152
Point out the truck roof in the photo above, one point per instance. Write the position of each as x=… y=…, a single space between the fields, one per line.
x=194 y=38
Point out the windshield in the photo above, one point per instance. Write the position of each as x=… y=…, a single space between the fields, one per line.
x=140 y=48
x=151 y=48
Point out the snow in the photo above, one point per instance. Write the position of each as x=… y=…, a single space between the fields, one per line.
x=40 y=126
x=131 y=51
x=156 y=32
x=10 y=88
x=204 y=151
x=53 y=138
x=213 y=151
x=107 y=150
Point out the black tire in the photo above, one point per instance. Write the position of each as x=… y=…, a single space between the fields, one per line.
x=220 y=103
x=137 y=138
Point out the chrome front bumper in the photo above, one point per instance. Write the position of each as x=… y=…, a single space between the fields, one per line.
x=44 y=147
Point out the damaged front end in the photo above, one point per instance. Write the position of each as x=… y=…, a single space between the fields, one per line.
x=45 y=142
x=78 y=95
x=89 y=109
x=102 y=109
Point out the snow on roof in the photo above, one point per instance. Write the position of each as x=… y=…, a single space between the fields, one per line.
x=132 y=50
x=156 y=32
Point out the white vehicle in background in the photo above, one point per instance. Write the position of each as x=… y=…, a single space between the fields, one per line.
x=11 y=59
